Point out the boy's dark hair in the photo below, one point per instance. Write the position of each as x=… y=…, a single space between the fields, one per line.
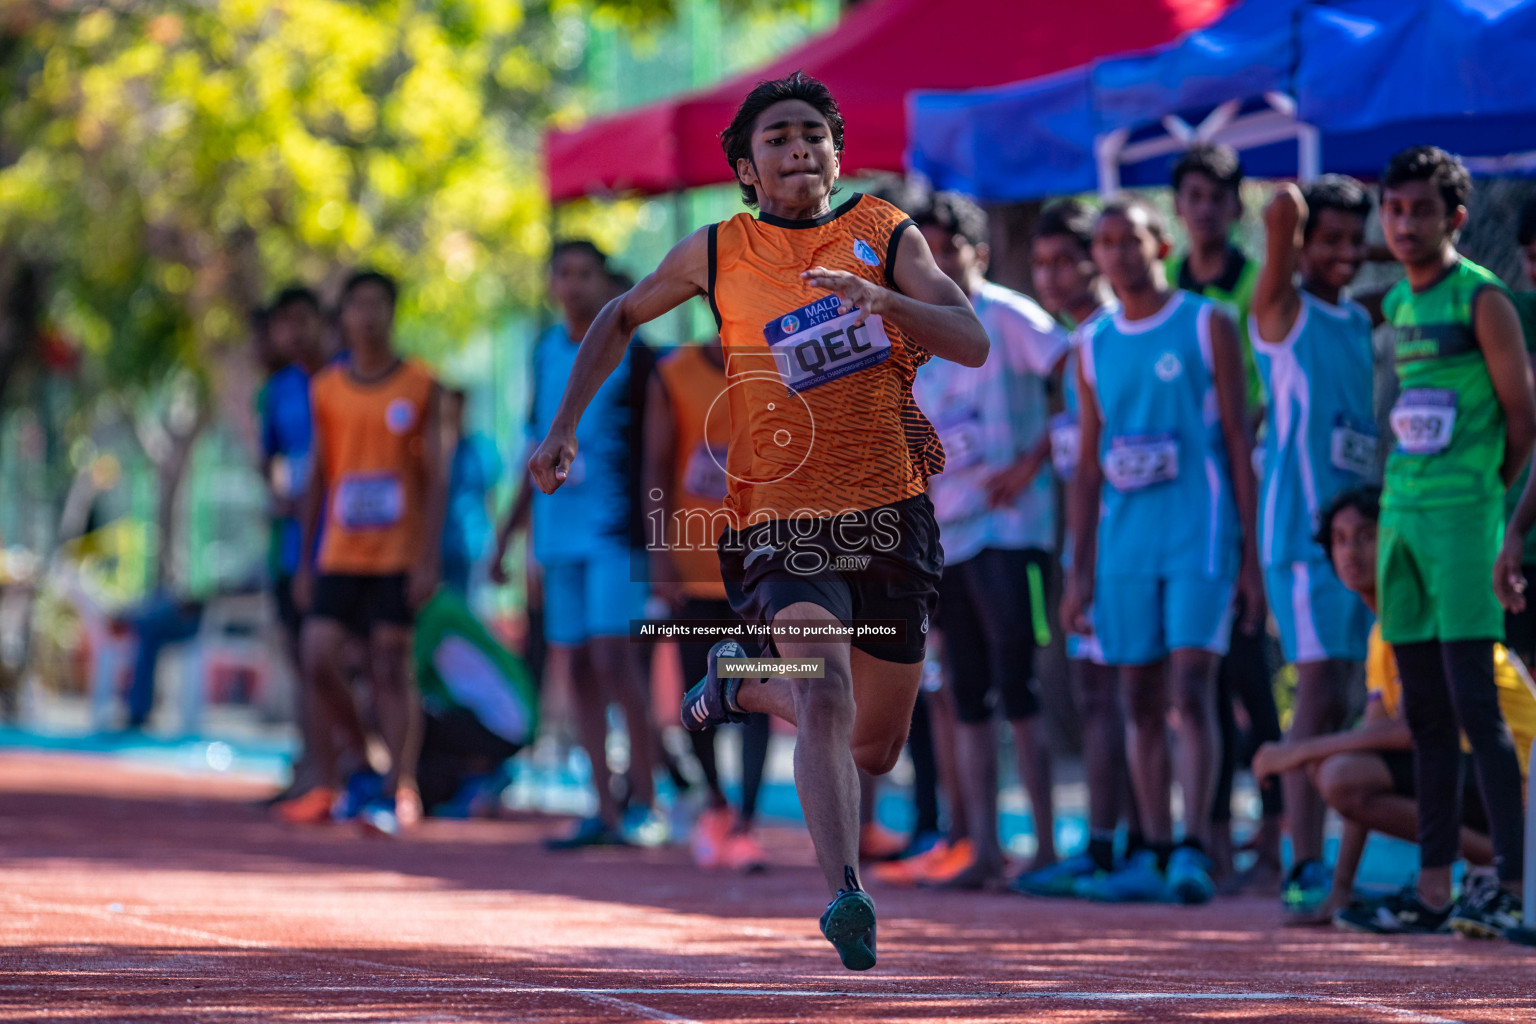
x=1334 y=192
x=1365 y=500
x=1066 y=218
x=1434 y=165
x=736 y=140
x=362 y=277
x=585 y=245
x=954 y=214
x=1217 y=162
x=1525 y=233
x=293 y=295
x=1122 y=204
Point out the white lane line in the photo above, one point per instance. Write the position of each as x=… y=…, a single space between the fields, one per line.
x=607 y=996
x=1413 y=1016
x=596 y=996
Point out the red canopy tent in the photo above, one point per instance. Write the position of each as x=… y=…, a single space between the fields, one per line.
x=879 y=52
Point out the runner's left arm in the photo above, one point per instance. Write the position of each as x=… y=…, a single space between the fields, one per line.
x=683 y=274
x=1502 y=340
x=926 y=304
x=1231 y=397
x=1503 y=343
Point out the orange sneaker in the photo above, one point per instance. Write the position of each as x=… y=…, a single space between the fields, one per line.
x=955 y=860
x=311 y=808
x=909 y=870
x=744 y=853
x=878 y=844
x=708 y=840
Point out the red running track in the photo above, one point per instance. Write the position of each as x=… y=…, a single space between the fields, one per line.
x=135 y=895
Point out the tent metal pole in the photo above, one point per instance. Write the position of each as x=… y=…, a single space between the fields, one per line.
x=1107 y=149
x=1309 y=152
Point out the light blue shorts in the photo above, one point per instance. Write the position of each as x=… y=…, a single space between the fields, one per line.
x=1141 y=619
x=1319 y=617
x=594 y=597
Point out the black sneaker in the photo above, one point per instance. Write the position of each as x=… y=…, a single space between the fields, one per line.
x=1400 y=914
x=849 y=924
x=1487 y=911
x=710 y=702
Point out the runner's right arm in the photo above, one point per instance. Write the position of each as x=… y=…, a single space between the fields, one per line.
x=1276 y=301
x=682 y=275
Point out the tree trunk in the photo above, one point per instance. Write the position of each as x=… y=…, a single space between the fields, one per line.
x=171 y=473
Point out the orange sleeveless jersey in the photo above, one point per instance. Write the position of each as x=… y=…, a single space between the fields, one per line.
x=370 y=444
x=703 y=430
x=822 y=415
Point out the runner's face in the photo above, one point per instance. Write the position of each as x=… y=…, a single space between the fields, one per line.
x=1207 y=208
x=579 y=285
x=954 y=254
x=298 y=330
x=1416 y=222
x=1336 y=250
x=367 y=315
x=1062 y=272
x=1125 y=247
x=1354 y=550
x=793 y=160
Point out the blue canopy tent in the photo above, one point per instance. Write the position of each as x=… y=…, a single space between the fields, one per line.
x=1299 y=86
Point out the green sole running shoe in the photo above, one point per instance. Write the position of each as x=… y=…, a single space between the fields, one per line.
x=849 y=924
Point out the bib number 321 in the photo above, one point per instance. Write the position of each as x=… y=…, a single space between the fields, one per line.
x=1423 y=420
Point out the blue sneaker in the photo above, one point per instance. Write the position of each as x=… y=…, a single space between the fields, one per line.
x=1189 y=876
x=377 y=817
x=1060 y=879
x=645 y=826
x=588 y=832
x=363 y=788
x=1304 y=891
x=1138 y=881
x=711 y=701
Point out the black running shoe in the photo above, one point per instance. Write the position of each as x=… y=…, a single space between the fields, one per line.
x=1399 y=914
x=849 y=924
x=709 y=703
x=1487 y=910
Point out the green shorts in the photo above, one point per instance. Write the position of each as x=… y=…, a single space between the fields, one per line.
x=1434 y=573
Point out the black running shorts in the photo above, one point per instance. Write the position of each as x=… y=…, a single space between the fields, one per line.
x=361 y=602
x=881 y=563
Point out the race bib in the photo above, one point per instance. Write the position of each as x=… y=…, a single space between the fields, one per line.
x=960 y=434
x=1136 y=462
x=370 y=502
x=1066 y=444
x=1423 y=420
x=1351 y=449
x=705 y=473
x=814 y=345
